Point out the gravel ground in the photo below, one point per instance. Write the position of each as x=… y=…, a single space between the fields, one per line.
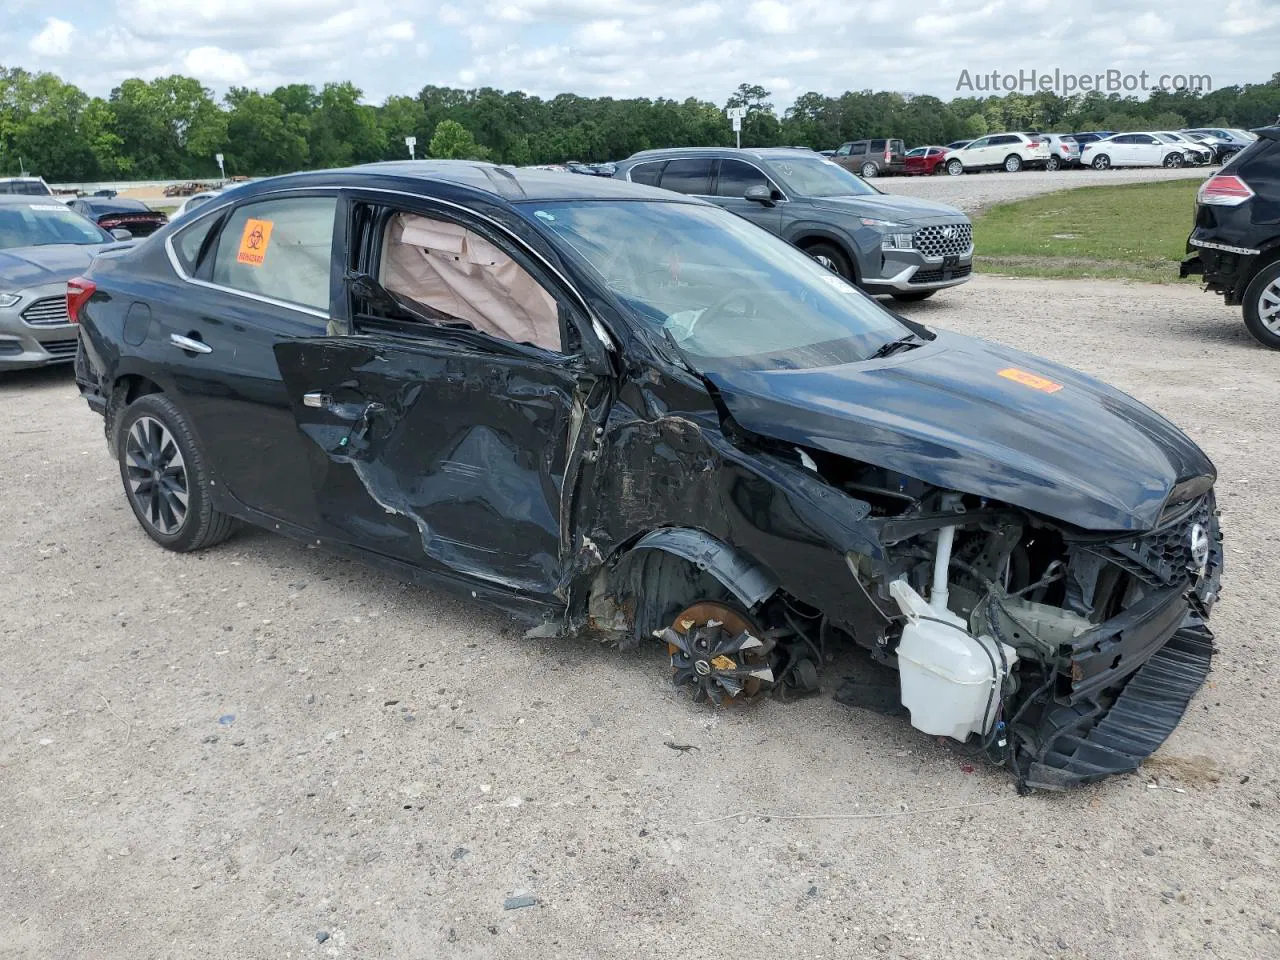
x=973 y=191
x=263 y=751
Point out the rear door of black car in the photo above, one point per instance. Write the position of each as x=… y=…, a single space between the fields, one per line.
x=445 y=445
x=254 y=274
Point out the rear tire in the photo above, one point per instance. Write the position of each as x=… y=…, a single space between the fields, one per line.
x=869 y=171
x=1053 y=163
x=1102 y=162
x=1262 y=306
x=833 y=258
x=1012 y=163
x=955 y=168
x=166 y=477
x=912 y=296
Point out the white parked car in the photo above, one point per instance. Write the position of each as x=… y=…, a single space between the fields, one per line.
x=999 y=151
x=1196 y=154
x=194 y=201
x=1132 y=150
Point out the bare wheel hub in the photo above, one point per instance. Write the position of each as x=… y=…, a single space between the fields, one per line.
x=718 y=652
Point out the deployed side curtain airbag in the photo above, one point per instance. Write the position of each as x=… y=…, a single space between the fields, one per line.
x=446 y=266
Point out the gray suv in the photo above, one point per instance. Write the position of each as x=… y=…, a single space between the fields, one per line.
x=885 y=244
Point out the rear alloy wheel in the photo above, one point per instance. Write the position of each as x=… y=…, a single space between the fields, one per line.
x=165 y=478
x=1053 y=163
x=832 y=258
x=1174 y=159
x=1012 y=163
x=1102 y=162
x=1262 y=306
x=718 y=652
x=955 y=168
x=869 y=170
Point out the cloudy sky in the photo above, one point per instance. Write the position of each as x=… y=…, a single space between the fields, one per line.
x=672 y=48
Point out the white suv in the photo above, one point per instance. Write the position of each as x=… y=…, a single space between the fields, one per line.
x=999 y=151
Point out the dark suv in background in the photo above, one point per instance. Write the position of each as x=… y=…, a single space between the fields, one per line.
x=1235 y=243
x=897 y=245
x=872 y=158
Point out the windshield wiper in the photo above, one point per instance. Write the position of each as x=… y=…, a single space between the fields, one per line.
x=908 y=342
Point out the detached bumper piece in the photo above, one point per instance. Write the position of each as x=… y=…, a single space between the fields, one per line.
x=1098 y=742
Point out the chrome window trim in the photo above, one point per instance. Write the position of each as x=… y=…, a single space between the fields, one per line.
x=597 y=327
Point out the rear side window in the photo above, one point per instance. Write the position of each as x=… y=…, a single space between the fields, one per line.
x=687 y=176
x=858 y=149
x=646 y=173
x=877 y=146
x=189 y=241
x=280 y=249
x=736 y=177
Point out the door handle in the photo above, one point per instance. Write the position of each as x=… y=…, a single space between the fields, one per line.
x=189 y=344
x=316 y=400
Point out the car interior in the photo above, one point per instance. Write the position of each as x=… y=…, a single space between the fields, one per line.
x=456 y=273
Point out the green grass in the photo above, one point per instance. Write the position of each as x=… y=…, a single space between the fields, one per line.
x=1132 y=231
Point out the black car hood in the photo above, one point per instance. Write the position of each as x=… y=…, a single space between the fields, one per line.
x=1085 y=453
x=888 y=207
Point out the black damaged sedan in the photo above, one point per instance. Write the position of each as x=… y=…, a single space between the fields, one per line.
x=610 y=408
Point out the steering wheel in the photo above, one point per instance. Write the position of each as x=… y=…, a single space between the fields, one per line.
x=719 y=310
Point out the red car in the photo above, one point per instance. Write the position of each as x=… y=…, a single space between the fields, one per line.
x=924 y=160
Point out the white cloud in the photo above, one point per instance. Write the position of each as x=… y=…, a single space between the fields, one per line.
x=771 y=16
x=640 y=48
x=54 y=40
x=215 y=65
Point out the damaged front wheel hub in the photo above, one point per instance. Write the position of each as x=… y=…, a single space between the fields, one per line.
x=718 y=652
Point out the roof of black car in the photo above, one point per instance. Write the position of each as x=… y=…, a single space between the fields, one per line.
x=755 y=153
x=515 y=184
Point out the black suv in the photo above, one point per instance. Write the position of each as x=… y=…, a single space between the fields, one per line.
x=1235 y=243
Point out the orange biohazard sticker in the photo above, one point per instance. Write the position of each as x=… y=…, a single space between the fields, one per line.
x=1030 y=380
x=254 y=241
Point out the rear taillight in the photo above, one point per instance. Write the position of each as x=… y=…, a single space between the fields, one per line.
x=888 y=155
x=79 y=290
x=1224 y=190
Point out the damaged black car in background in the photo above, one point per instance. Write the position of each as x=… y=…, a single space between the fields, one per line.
x=610 y=408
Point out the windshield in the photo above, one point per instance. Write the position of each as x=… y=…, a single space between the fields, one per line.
x=812 y=176
x=40 y=224
x=726 y=292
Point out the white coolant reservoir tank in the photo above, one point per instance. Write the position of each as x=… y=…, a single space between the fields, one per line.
x=945 y=671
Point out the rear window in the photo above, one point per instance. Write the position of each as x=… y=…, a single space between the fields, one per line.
x=691 y=176
x=1262 y=151
x=646 y=173
x=25 y=188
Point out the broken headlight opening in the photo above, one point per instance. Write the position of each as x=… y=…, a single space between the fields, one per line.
x=1065 y=656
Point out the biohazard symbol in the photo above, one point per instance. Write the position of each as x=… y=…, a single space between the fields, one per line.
x=254 y=242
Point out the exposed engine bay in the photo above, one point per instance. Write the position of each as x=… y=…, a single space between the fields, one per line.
x=1061 y=654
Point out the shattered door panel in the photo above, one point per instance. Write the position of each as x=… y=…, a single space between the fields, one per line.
x=437 y=453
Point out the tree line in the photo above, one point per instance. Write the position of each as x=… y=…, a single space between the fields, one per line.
x=172 y=127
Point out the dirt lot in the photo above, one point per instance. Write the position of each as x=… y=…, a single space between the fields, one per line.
x=262 y=751
x=971 y=192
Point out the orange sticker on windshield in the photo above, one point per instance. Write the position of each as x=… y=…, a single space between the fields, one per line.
x=1030 y=380
x=253 y=242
